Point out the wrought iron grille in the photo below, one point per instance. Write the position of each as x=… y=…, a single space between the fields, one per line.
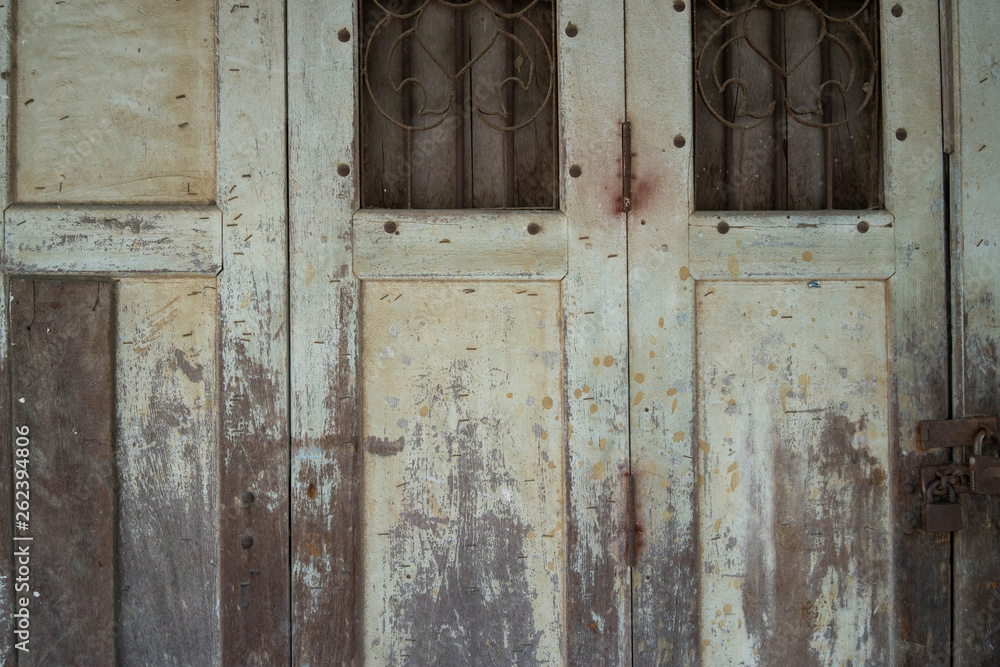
x=787 y=105
x=458 y=104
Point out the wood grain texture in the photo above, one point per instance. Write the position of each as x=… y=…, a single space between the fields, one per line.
x=464 y=473
x=110 y=240
x=253 y=337
x=793 y=440
x=595 y=300
x=62 y=381
x=661 y=336
x=167 y=457
x=798 y=245
x=115 y=101
x=974 y=208
x=479 y=244
x=325 y=464
x=7 y=655
x=918 y=347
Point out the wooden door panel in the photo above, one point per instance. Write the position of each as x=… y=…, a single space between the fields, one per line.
x=463 y=486
x=793 y=442
x=115 y=102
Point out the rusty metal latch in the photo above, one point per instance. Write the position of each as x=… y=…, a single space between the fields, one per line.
x=626 y=166
x=942 y=484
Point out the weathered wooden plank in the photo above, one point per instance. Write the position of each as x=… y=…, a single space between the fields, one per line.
x=977 y=286
x=253 y=336
x=918 y=347
x=62 y=383
x=810 y=245
x=661 y=335
x=6 y=453
x=166 y=452
x=113 y=240
x=595 y=299
x=325 y=465
x=125 y=116
x=464 y=472
x=793 y=440
x=481 y=244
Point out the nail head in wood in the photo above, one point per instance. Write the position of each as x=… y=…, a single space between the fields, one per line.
x=901 y=134
x=343 y=169
x=389 y=227
x=575 y=171
x=679 y=141
x=344 y=35
x=248 y=497
x=571 y=30
x=863 y=226
x=679 y=5
x=534 y=228
x=723 y=227
x=897 y=10
x=246 y=541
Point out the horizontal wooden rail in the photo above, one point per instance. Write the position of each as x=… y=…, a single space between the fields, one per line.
x=112 y=240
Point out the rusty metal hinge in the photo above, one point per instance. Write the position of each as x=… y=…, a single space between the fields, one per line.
x=626 y=166
x=631 y=525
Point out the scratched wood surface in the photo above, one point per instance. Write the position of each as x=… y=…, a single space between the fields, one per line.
x=115 y=101
x=167 y=460
x=918 y=324
x=793 y=466
x=6 y=453
x=253 y=336
x=325 y=472
x=62 y=384
x=974 y=205
x=595 y=300
x=661 y=336
x=464 y=472
x=113 y=240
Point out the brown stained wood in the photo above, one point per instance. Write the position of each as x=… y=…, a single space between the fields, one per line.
x=167 y=457
x=124 y=118
x=324 y=312
x=62 y=374
x=253 y=337
x=976 y=162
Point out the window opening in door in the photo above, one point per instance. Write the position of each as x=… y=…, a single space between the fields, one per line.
x=787 y=105
x=458 y=104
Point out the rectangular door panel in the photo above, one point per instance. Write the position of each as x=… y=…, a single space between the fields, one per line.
x=792 y=471
x=463 y=486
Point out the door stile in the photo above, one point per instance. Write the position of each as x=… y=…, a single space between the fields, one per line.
x=253 y=335
x=661 y=334
x=326 y=466
x=918 y=333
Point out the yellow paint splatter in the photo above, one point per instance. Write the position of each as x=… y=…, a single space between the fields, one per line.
x=310 y=275
x=734 y=266
x=593 y=408
x=804 y=384
x=678 y=436
x=597 y=472
x=597 y=361
x=578 y=393
x=604 y=443
x=552 y=464
x=685 y=273
x=661 y=322
x=510 y=395
x=734 y=481
x=727 y=608
x=608 y=360
x=807 y=256
x=424 y=410
x=640 y=378
x=704 y=446
x=774 y=312
x=547 y=402
x=672 y=391
x=718 y=524
x=783 y=392
x=638 y=399
x=586 y=388
x=733 y=466
x=673 y=407
x=771 y=366
x=652 y=354
x=667 y=515
x=246 y=301
x=545 y=435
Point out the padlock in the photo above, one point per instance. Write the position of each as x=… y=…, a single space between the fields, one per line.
x=941 y=517
x=984 y=470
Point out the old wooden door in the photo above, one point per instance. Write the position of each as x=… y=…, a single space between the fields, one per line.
x=144 y=243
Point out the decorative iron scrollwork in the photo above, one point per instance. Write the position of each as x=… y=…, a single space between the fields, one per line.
x=400 y=33
x=714 y=80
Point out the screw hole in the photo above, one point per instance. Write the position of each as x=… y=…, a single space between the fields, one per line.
x=534 y=228
x=248 y=497
x=344 y=35
x=901 y=134
x=679 y=5
x=723 y=227
x=389 y=227
x=571 y=30
x=863 y=226
x=897 y=10
x=679 y=141
x=575 y=171
x=343 y=169
x=246 y=541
